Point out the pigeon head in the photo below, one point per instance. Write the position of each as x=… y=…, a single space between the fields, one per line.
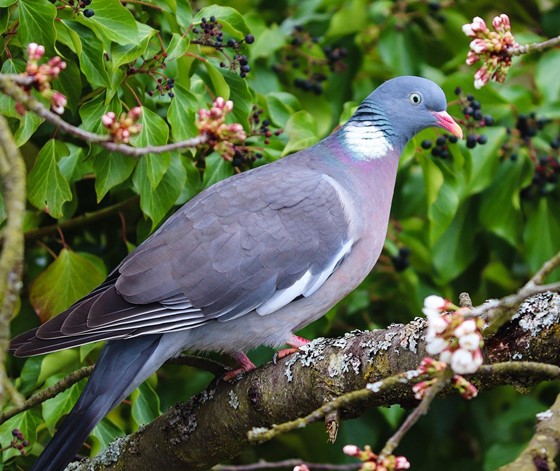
x=390 y=116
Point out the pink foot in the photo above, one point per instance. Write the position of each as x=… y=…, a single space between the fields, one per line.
x=245 y=365
x=295 y=342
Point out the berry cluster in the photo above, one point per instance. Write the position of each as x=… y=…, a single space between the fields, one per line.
x=401 y=261
x=544 y=153
x=374 y=462
x=18 y=442
x=41 y=76
x=82 y=5
x=245 y=155
x=434 y=10
x=209 y=33
x=125 y=127
x=164 y=87
x=474 y=119
x=303 y=53
x=440 y=148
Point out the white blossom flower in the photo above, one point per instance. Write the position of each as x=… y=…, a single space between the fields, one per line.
x=465 y=362
x=436 y=346
x=470 y=342
x=466 y=327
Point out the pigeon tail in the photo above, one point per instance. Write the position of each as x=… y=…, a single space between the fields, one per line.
x=121 y=367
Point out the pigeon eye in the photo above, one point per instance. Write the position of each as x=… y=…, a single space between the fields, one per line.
x=415 y=98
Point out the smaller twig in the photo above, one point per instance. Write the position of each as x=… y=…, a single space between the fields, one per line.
x=442 y=379
x=49 y=392
x=289 y=464
x=527 y=48
x=8 y=87
x=544 y=271
x=522 y=369
x=262 y=434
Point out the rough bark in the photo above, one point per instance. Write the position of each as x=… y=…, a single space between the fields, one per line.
x=213 y=426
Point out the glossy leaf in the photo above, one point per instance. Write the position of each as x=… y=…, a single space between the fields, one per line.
x=145 y=404
x=48 y=189
x=65 y=280
x=302 y=132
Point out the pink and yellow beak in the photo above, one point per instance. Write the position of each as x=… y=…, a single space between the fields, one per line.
x=448 y=123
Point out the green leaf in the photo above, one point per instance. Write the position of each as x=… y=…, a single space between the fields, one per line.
x=48 y=189
x=221 y=88
x=349 y=19
x=91 y=52
x=70 y=277
x=548 y=83
x=60 y=405
x=155 y=132
x=542 y=234
x=125 y=53
x=111 y=168
x=281 y=106
x=217 y=169
x=103 y=434
x=145 y=404
x=92 y=111
x=232 y=21
x=74 y=166
x=27 y=422
x=182 y=113
x=36 y=23
x=398 y=49
x=177 y=47
x=69 y=83
x=301 y=129
x=27 y=127
x=156 y=202
x=29 y=377
x=268 y=42
x=6 y=3
x=241 y=97
x=112 y=21
x=500 y=210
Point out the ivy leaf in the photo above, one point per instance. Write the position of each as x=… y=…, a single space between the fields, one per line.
x=125 y=53
x=145 y=404
x=182 y=114
x=36 y=23
x=217 y=169
x=48 y=189
x=27 y=127
x=156 y=202
x=155 y=132
x=221 y=87
x=301 y=129
x=112 y=21
x=60 y=405
x=70 y=277
x=177 y=47
x=111 y=168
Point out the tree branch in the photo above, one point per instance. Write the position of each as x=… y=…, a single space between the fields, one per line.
x=214 y=425
x=8 y=87
x=12 y=178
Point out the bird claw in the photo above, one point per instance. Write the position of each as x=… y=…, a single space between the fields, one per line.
x=245 y=365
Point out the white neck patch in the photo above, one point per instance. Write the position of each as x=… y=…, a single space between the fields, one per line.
x=366 y=141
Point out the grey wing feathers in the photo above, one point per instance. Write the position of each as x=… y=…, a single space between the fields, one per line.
x=249 y=243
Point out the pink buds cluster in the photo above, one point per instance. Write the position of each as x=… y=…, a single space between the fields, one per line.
x=42 y=76
x=122 y=129
x=493 y=48
x=222 y=137
x=373 y=462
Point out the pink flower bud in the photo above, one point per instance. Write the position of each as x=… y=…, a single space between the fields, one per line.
x=401 y=463
x=301 y=467
x=472 y=58
x=351 y=450
x=478 y=46
x=35 y=51
x=108 y=119
x=135 y=113
x=219 y=102
x=58 y=102
x=478 y=24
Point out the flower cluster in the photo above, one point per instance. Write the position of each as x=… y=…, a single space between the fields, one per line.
x=491 y=47
x=125 y=127
x=222 y=137
x=456 y=340
x=373 y=462
x=42 y=76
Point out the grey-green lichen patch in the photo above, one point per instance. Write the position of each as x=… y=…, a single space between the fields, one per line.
x=539 y=312
x=233 y=400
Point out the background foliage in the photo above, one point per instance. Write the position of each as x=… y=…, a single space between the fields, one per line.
x=477 y=219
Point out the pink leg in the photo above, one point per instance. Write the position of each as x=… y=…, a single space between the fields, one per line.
x=245 y=365
x=295 y=342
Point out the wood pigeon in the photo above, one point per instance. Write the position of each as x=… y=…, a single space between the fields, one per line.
x=249 y=261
